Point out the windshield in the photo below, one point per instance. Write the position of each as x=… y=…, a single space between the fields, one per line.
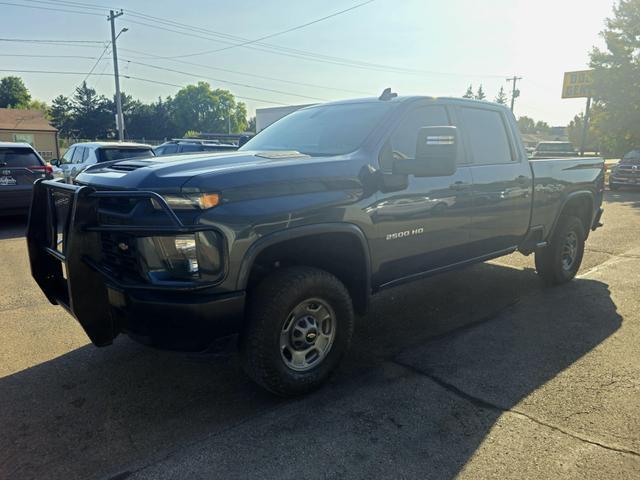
x=632 y=158
x=323 y=130
x=555 y=147
x=107 y=154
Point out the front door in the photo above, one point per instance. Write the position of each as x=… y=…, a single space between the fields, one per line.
x=425 y=225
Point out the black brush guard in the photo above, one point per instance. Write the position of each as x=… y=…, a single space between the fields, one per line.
x=63 y=238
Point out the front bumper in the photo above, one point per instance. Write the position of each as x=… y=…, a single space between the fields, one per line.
x=66 y=256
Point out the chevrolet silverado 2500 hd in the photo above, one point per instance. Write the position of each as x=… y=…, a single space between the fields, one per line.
x=283 y=241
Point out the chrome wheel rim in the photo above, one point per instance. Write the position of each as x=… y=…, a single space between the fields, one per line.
x=569 y=251
x=307 y=334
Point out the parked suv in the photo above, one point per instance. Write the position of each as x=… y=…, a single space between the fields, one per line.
x=190 y=145
x=627 y=172
x=20 y=166
x=80 y=155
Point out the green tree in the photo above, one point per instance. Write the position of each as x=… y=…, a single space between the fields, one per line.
x=92 y=114
x=542 y=127
x=13 y=93
x=469 y=92
x=501 y=98
x=251 y=124
x=574 y=130
x=199 y=107
x=480 y=95
x=616 y=113
x=526 y=125
x=61 y=116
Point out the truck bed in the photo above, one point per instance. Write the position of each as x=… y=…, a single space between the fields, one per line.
x=556 y=179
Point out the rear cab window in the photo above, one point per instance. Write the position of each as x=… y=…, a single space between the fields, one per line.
x=19 y=157
x=114 y=153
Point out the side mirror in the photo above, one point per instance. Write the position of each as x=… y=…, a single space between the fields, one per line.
x=436 y=153
x=55 y=162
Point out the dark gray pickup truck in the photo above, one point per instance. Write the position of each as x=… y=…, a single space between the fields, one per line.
x=280 y=243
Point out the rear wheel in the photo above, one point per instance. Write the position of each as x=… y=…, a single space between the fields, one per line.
x=299 y=325
x=613 y=186
x=560 y=261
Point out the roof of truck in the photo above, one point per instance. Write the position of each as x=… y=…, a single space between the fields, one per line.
x=411 y=98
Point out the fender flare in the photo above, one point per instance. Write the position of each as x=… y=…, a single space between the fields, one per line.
x=573 y=195
x=299 y=232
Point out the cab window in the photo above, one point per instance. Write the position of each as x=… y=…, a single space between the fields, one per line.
x=403 y=140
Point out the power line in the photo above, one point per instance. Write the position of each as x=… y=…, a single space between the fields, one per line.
x=237 y=72
x=37 y=7
x=235 y=41
x=33 y=40
x=131 y=77
x=288 y=30
x=46 y=56
x=264 y=47
x=191 y=74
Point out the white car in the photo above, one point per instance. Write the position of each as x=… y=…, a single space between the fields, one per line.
x=81 y=155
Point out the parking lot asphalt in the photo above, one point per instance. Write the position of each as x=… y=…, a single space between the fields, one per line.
x=480 y=373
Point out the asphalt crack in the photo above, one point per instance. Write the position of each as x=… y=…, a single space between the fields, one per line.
x=479 y=402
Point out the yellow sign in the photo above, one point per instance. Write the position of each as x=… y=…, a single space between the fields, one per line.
x=577 y=84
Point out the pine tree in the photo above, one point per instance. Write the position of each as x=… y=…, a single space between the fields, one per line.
x=60 y=115
x=501 y=98
x=480 y=94
x=469 y=93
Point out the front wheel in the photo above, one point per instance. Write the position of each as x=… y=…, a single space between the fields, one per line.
x=560 y=261
x=299 y=325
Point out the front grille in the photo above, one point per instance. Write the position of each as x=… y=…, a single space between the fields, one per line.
x=632 y=172
x=119 y=256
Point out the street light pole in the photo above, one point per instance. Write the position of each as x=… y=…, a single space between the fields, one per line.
x=119 y=116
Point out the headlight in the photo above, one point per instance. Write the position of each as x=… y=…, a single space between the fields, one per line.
x=191 y=201
x=193 y=257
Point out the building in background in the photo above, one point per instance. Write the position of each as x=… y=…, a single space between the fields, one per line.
x=29 y=126
x=267 y=116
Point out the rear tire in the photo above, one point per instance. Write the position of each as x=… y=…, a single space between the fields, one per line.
x=614 y=186
x=299 y=325
x=560 y=261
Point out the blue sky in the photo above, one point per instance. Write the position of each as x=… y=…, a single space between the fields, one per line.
x=449 y=43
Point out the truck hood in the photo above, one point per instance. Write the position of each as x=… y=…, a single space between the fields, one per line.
x=173 y=172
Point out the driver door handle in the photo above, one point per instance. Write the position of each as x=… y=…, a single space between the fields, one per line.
x=459 y=185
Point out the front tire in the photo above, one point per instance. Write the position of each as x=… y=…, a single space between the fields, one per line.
x=560 y=261
x=299 y=325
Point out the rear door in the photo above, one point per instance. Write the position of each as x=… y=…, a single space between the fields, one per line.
x=19 y=168
x=502 y=181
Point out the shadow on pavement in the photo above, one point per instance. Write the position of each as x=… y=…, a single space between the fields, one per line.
x=93 y=412
x=627 y=195
x=13 y=226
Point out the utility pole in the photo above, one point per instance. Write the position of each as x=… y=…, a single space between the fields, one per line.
x=119 y=116
x=514 y=91
x=585 y=127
